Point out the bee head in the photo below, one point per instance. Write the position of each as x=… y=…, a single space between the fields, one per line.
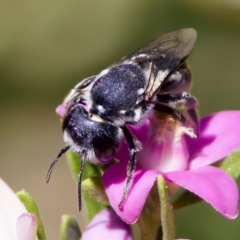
x=89 y=134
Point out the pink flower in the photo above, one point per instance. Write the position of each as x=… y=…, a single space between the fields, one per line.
x=107 y=225
x=180 y=159
x=15 y=222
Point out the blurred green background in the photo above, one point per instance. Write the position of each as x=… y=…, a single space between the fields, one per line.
x=46 y=47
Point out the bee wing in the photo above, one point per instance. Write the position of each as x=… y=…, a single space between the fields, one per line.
x=175 y=45
x=162 y=56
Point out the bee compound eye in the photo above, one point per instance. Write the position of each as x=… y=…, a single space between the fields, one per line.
x=104 y=148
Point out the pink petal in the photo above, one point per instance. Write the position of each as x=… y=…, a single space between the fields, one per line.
x=211 y=184
x=114 y=180
x=27 y=227
x=141 y=131
x=60 y=110
x=10 y=209
x=219 y=136
x=107 y=225
x=123 y=152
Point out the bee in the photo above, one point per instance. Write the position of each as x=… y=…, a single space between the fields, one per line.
x=98 y=110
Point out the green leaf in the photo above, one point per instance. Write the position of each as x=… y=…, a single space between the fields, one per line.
x=94 y=188
x=31 y=207
x=93 y=207
x=90 y=170
x=231 y=164
x=69 y=229
x=149 y=220
x=184 y=199
x=167 y=221
x=74 y=162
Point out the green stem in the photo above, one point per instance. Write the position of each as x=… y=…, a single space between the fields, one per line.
x=166 y=210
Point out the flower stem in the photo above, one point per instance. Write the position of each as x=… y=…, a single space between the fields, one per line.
x=166 y=210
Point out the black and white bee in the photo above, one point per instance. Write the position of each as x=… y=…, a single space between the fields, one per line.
x=154 y=78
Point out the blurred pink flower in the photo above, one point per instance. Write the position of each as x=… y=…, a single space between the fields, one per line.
x=15 y=222
x=107 y=225
x=180 y=159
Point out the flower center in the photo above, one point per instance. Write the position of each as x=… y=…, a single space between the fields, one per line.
x=165 y=149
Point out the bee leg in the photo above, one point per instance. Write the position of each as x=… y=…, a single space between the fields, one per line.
x=185 y=98
x=133 y=148
x=169 y=110
x=183 y=101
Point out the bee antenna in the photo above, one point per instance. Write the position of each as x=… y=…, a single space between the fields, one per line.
x=79 y=185
x=54 y=162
